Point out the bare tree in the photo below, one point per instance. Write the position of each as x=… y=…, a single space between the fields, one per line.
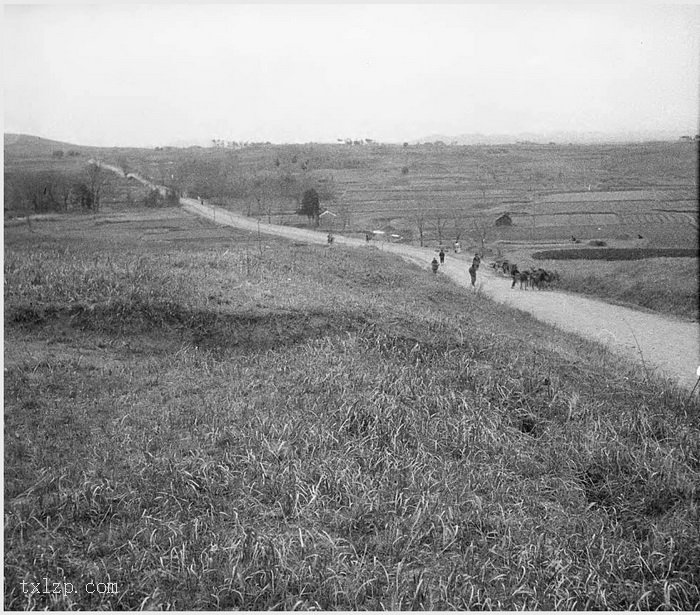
x=261 y=187
x=288 y=185
x=418 y=219
x=123 y=163
x=95 y=182
x=480 y=228
x=65 y=191
x=485 y=176
x=440 y=224
x=458 y=226
x=343 y=209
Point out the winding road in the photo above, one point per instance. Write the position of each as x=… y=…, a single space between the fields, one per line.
x=665 y=344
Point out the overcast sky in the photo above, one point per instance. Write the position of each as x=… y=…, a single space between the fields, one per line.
x=143 y=75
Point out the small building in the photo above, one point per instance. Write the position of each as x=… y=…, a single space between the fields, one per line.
x=327 y=220
x=504 y=220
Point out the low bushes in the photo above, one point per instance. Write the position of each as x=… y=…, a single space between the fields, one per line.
x=615 y=254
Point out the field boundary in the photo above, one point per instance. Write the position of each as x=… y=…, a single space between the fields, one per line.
x=614 y=254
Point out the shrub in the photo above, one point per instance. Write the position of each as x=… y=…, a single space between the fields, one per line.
x=153 y=199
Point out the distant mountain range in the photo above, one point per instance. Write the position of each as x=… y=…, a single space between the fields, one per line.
x=476 y=138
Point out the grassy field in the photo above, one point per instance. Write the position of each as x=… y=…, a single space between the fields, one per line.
x=212 y=420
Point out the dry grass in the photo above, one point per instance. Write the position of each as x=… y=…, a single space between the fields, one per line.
x=242 y=424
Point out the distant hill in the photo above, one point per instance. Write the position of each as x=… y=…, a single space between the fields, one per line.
x=559 y=137
x=29 y=145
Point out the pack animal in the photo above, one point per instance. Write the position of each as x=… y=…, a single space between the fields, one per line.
x=520 y=276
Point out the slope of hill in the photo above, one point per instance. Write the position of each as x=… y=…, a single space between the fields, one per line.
x=211 y=419
x=21 y=145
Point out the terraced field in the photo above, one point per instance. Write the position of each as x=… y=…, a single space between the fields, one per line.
x=551 y=191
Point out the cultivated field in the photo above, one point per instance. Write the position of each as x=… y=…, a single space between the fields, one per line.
x=209 y=419
x=551 y=191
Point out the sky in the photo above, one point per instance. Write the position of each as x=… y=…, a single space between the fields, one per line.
x=158 y=74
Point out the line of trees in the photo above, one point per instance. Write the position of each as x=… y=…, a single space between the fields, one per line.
x=442 y=227
x=281 y=186
x=55 y=191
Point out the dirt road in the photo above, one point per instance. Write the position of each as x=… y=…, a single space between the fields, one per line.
x=663 y=343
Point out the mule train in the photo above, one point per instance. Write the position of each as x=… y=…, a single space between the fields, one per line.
x=534 y=277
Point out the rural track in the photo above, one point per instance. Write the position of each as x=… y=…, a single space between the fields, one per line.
x=663 y=344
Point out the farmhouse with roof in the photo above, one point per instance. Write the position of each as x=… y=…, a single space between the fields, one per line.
x=327 y=220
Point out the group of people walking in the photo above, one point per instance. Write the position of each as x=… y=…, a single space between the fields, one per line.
x=476 y=261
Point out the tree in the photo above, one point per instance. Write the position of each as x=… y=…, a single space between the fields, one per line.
x=288 y=185
x=440 y=224
x=458 y=224
x=481 y=229
x=261 y=186
x=95 y=182
x=310 y=205
x=152 y=199
x=341 y=206
x=83 y=195
x=419 y=220
x=123 y=163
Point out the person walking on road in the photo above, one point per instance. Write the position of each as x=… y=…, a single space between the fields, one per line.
x=434 y=265
x=472 y=270
x=472 y=274
x=442 y=256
